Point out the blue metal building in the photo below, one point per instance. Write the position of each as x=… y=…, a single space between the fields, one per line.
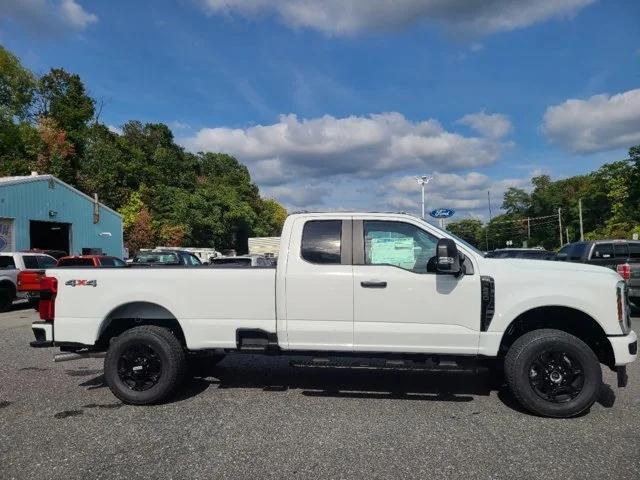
x=43 y=212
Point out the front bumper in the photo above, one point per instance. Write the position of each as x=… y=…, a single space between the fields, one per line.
x=43 y=331
x=625 y=348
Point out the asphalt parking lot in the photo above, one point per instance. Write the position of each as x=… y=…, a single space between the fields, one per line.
x=258 y=417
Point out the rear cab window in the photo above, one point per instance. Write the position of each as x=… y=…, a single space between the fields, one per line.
x=7 y=262
x=38 y=262
x=602 y=251
x=322 y=242
x=634 y=251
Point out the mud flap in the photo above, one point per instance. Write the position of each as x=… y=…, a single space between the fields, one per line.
x=623 y=378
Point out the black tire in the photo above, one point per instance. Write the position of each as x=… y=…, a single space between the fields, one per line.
x=144 y=365
x=7 y=295
x=541 y=368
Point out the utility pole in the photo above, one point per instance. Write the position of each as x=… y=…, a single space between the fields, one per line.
x=567 y=231
x=489 y=199
x=580 y=213
x=528 y=228
x=422 y=181
x=560 y=224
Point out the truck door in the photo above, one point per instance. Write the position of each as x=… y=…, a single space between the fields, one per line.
x=319 y=285
x=399 y=304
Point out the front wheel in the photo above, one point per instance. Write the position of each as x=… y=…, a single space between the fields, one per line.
x=552 y=373
x=144 y=365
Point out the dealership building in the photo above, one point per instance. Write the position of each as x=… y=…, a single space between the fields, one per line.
x=42 y=212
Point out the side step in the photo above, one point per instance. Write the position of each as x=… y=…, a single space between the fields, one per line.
x=429 y=364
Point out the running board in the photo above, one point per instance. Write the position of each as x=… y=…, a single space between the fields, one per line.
x=430 y=364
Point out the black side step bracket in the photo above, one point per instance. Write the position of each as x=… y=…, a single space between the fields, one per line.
x=254 y=340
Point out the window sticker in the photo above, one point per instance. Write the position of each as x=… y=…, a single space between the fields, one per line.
x=393 y=251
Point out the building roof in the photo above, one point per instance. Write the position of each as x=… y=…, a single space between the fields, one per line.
x=7 y=181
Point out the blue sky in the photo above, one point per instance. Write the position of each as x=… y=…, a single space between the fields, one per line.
x=337 y=104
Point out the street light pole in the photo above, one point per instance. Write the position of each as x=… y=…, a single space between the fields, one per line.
x=422 y=181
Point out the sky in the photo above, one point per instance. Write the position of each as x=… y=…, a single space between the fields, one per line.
x=339 y=104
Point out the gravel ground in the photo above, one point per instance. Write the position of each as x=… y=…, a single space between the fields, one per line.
x=258 y=417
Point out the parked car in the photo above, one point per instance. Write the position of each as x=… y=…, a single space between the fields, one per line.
x=18 y=272
x=392 y=288
x=165 y=258
x=529 y=253
x=242 y=261
x=91 y=261
x=620 y=255
x=57 y=254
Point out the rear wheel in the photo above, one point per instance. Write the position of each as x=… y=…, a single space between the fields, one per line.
x=144 y=365
x=553 y=373
x=7 y=295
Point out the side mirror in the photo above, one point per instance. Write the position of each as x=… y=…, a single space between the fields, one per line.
x=447 y=257
x=561 y=257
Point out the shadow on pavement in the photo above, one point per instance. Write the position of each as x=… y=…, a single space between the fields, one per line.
x=276 y=375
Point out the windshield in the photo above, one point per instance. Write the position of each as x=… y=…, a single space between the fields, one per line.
x=156 y=257
x=455 y=237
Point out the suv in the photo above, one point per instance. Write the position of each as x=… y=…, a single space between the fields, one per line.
x=620 y=255
x=165 y=258
x=12 y=264
x=528 y=253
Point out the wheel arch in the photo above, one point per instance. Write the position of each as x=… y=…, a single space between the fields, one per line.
x=567 y=319
x=136 y=313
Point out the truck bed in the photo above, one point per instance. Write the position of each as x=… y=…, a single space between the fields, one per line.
x=211 y=304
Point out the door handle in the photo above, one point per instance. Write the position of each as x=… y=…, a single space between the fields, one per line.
x=373 y=284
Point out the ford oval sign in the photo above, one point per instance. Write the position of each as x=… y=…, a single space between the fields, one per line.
x=442 y=213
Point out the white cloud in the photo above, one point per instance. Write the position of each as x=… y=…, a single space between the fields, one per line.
x=114 y=129
x=602 y=122
x=76 y=15
x=178 y=125
x=47 y=16
x=358 y=145
x=467 y=194
x=341 y=17
x=298 y=196
x=494 y=125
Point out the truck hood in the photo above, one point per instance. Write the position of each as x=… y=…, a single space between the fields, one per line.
x=542 y=266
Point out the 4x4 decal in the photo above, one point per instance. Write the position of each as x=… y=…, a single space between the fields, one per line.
x=81 y=283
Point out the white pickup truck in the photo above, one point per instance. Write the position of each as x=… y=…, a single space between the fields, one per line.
x=388 y=288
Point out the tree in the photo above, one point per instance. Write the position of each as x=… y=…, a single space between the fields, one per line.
x=140 y=234
x=62 y=96
x=516 y=201
x=17 y=86
x=470 y=230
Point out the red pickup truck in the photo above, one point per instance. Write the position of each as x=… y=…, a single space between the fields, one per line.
x=29 y=280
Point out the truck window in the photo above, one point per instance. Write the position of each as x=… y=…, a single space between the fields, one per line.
x=30 y=262
x=321 y=241
x=7 y=263
x=577 y=251
x=634 y=251
x=620 y=250
x=45 y=261
x=602 y=250
x=399 y=244
x=75 y=262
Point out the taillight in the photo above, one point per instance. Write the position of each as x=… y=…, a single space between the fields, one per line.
x=19 y=280
x=624 y=270
x=48 y=292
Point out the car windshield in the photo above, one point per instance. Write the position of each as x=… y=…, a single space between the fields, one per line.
x=167 y=258
x=455 y=237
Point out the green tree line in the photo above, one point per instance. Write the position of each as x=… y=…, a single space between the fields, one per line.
x=167 y=196
x=610 y=198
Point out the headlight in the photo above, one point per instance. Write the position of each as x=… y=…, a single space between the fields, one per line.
x=624 y=311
